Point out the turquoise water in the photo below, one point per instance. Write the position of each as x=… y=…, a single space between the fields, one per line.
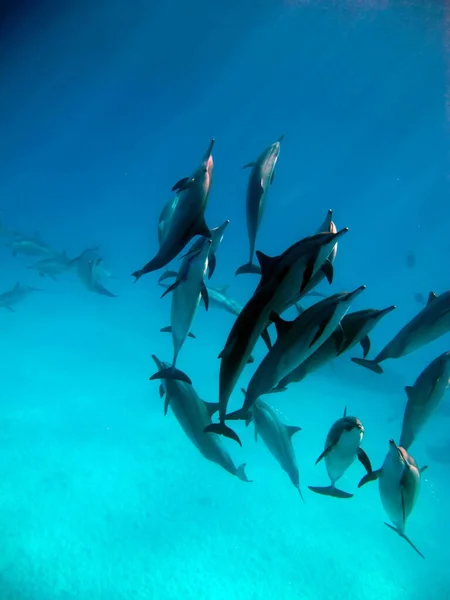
x=102 y=109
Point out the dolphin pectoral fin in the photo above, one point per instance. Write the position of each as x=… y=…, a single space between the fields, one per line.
x=166 y=404
x=402 y=535
x=242 y=414
x=319 y=332
x=372 y=365
x=205 y=295
x=340 y=339
x=248 y=269
x=167 y=275
x=171 y=287
x=365 y=345
x=278 y=388
x=161 y=391
x=373 y=476
x=182 y=184
x=325 y=452
x=328 y=270
x=249 y=165
x=211 y=265
x=240 y=473
x=292 y=429
x=168 y=329
x=330 y=490
x=431 y=297
x=222 y=429
x=307 y=274
x=171 y=373
x=211 y=407
x=364 y=460
x=422 y=469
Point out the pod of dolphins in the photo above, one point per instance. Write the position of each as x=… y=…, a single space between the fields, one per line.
x=314 y=338
x=317 y=335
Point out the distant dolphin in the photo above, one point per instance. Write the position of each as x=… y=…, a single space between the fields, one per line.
x=29 y=246
x=186 y=215
x=15 y=295
x=342 y=446
x=187 y=290
x=399 y=483
x=277 y=437
x=281 y=278
x=440 y=454
x=87 y=268
x=296 y=341
x=424 y=397
x=53 y=265
x=353 y=329
x=430 y=323
x=261 y=177
x=194 y=414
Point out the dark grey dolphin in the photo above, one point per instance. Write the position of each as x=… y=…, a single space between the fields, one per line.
x=186 y=215
x=277 y=437
x=430 y=323
x=424 y=397
x=281 y=278
x=352 y=330
x=342 y=446
x=217 y=234
x=296 y=341
x=399 y=484
x=15 y=295
x=261 y=177
x=194 y=414
x=88 y=270
x=53 y=265
x=187 y=290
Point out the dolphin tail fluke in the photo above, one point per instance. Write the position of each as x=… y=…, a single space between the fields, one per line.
x=222 y=429
x=372 y=365
x=402 y=535
x=249 y=268
x=171 y=373
x=137 y=275
x=330 y=491
x=240 y=474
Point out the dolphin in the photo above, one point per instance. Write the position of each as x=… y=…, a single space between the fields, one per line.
x=281 y=279
x=296 y=341
x=187 y=290
x=217 y=234
x=15 y=295
x=87 y=268
x=428 y=325
x=277 y=437
x=194 y=414
x=29 y=246
x=342 y=446
x=352 y=330
x=261 y=177
x=424 y=398
x=399 y=484
x=53 y=265
x=186 y=218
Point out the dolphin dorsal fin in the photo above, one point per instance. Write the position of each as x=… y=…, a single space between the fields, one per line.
x=282 y=326
x=267 y=263
x=292 y=429
x=345 y=412
x=409 y=391
x=431 y=297
x=249 y=165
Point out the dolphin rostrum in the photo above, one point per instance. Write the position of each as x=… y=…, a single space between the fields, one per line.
x=424 y=398
x=187 y=290
x=296 y=341
x=194 y=414
x=277 y=437
x=352 y=330
x=261 y=177
x=428 y=325
x=342 y=446
x=281 y=278
x=399 y=484
x=185 y=217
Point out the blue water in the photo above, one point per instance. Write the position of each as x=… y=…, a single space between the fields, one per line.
x=103 y=107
